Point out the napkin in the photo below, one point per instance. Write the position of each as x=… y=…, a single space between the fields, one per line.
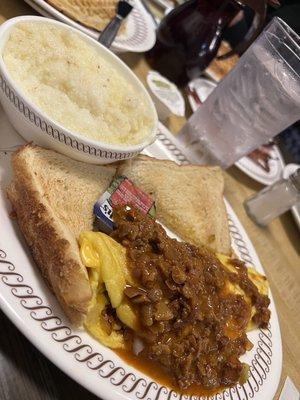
x=289 y=391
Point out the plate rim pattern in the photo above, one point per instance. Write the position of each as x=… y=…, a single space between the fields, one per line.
x=38 y=311
x=39 y=121
x=130 y=382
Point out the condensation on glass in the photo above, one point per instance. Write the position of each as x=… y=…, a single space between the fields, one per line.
x=258 y=99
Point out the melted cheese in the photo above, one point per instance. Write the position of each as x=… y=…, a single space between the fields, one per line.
x=109 y=275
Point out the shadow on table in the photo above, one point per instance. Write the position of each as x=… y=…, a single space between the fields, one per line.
x=130 y=59
x=291 y=230
x=240 y=176
x=8 y=10
x=26 y=374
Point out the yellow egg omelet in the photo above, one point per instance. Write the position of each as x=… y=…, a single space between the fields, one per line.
x=109 y=274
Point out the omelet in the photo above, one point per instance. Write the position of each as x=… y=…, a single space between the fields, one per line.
x=109 y=274
x=260 y=281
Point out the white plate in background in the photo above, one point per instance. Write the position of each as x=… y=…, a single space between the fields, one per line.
x=139 y=35
x=164 y=4
x=276 y=165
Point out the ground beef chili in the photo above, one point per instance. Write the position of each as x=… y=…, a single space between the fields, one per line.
x=191 y=323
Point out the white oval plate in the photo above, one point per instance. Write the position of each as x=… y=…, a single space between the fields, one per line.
x=30 y=305
x=164 y=4
x=257 y=173
x=139 y=35
x=245 y=164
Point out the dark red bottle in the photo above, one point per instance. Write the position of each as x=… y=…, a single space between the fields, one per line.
x=189 y=37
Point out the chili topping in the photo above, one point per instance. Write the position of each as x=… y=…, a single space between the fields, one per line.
x=193 y=322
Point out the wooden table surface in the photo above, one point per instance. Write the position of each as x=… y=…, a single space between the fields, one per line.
x=26 y=374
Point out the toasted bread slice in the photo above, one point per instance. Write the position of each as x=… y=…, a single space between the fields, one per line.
x=189 y=199
x=53 y=197
x=95 y=14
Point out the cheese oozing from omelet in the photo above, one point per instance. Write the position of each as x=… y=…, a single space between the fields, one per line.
x=109 y=275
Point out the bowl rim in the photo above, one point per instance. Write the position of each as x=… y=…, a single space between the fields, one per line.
x=110 y=56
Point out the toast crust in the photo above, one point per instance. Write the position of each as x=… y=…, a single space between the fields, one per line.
x=54 y=254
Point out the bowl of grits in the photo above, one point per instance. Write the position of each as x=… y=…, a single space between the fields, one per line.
x=63 y=90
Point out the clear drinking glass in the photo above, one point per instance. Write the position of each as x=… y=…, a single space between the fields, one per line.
x=258 y=99
x=274 y=200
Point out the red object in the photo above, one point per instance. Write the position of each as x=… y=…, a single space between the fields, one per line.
x=262 y=156
x=127 y=193
x=195 y=96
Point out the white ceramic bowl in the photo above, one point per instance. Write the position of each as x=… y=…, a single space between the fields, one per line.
x=36 y=126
